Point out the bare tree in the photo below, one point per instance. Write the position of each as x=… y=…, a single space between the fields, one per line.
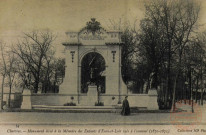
x=188 y=13
x=167 y=28
x=8 y=70
x=11 y=73
x=201 y=58
x=32 y=51
x=48 y=70
x=3 y=72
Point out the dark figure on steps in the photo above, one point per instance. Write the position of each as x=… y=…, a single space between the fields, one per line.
x=125 y=107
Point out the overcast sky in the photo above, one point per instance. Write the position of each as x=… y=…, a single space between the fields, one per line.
x=17 y=16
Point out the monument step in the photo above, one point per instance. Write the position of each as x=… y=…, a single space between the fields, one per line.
x=85 y=109
x=73 y=107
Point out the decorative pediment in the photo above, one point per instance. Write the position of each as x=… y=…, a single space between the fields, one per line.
x=93 y=26
x=93 y=34
x=101 y=34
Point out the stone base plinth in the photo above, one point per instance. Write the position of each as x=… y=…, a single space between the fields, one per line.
x=152 y=100
x=92 y=95
x=26 y=103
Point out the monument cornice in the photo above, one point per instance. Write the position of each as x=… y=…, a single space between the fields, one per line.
x=114 y=43
x=84 y=28
x=108 y=43
x=70 y=44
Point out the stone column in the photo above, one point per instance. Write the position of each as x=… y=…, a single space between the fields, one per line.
x=26 y=103
x=152 y=100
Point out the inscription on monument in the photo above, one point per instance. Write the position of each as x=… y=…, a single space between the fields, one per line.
x=93 y=37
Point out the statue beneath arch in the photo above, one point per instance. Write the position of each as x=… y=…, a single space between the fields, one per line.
x=93 y=64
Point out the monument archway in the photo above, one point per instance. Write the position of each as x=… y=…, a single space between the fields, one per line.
x=93 y=58
x=93 y=68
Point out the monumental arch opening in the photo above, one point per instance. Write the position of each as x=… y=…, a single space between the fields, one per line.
x=93 y=63
x=93 y=72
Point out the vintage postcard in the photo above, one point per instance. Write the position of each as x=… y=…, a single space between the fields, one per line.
x=88 y=67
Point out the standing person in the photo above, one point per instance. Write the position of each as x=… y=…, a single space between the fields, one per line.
x=125 y=107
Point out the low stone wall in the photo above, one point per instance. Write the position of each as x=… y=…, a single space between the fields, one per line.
x=148 y=101
x=50 y=99
x=137 y=100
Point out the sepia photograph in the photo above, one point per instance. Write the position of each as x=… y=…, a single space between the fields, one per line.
x=102 y=67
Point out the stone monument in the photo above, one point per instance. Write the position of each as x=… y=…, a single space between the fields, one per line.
x=26 y=103
x=105 y=44
x=152 y=100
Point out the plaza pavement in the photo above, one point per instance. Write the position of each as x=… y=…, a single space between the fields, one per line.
x=52 y=118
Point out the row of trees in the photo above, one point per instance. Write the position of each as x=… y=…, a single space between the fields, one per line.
x=167 y=52
x=31 y=63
